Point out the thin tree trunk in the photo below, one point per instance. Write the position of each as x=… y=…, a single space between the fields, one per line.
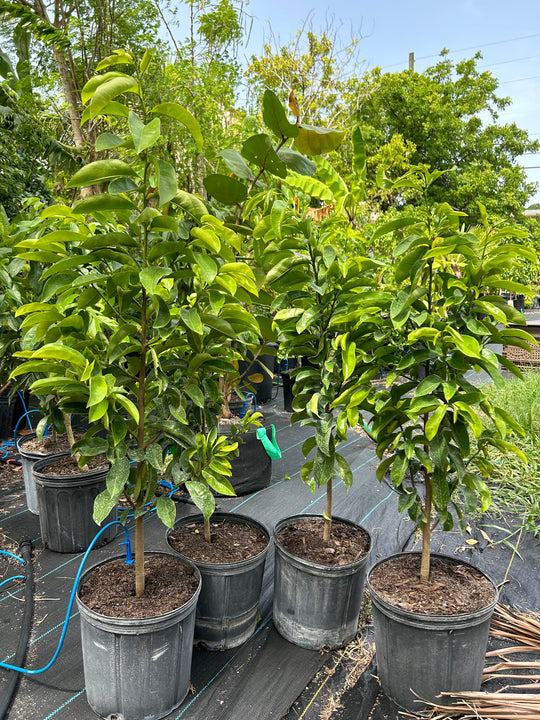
x=328 y=511
x=139 y=556
x=426 y=532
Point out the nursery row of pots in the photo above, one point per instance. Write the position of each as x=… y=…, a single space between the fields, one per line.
x=315 y=606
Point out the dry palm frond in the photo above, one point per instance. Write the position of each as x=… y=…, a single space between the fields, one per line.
x=491 y=706
x=501 y=705
x=517 y=626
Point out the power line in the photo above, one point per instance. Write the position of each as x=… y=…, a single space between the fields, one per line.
x=506 y=62
x=474 y=47
x=505 y=82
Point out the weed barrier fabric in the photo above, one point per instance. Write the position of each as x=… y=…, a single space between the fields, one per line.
x=268 y=677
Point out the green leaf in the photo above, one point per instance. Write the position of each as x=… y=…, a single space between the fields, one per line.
x=297 y=162
x=118 y=476
x=345 y=471
x=154 y=455
x=117 y=58
x=166 y=510
x=103 y=505
x=103 y=203
x=201 y=496
x=107 y=141
x=190 y=204
x=57 y=351
x=151 y=276
x=259 y=150
x=100 y=171
x=310 y=186
x=225 y=189
x=317 y=141
x=192 y=319
x=275 y=118
x=176 y=111
x=167 y=184
x=144 y=136
x=107 y=91
x=236 y=163
x=432 y=425
x=98 y=390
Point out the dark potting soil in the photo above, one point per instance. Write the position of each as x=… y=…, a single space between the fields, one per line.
x=231 y=542
x=48 y=445
x=68 y=465
x=304 y=539
x=110 y=589
x=453 y=588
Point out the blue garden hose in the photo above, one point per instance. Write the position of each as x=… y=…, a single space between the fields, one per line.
x=129 y=561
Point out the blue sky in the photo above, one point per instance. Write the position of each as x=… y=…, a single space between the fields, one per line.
x=506 y=33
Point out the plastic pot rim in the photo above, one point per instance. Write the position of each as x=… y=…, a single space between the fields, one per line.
x=291 y=519
x=131 y=626
x=219 y=516
x=417 y=617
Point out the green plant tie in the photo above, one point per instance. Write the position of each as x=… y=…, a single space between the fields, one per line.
x=271 y=446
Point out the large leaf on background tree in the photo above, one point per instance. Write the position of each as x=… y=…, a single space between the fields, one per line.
x=176 y=111
x=317 y=141
x=225 y=189
x=236 y=163
x=297 y=162
x=359 y=153
x=275 y=118
x=101 y=171
x=259 y=150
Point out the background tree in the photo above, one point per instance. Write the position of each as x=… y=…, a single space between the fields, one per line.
x=441 y=115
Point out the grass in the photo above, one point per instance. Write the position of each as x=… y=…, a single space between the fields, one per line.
x=515 y=486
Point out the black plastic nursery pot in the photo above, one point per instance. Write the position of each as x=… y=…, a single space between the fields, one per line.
x=264 y=366
x=419 y=656
x=252 y=467
x=66 y=505
x=28 y=459
x=227 y=610
x=137 y=669
x=316 y=606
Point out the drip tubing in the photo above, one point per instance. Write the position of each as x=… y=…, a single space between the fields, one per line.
x=17 y=667
x=25 y=548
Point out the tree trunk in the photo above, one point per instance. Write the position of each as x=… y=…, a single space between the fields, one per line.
x=328 y=511
x=426 y=531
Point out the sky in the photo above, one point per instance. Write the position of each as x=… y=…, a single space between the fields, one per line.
x=506 y=33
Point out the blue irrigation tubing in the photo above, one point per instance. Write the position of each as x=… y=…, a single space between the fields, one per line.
x=24 y=415
x=9 y=579
x=11 y=555
x=129 y=560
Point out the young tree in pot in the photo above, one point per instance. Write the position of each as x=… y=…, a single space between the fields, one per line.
x=145 y=294
x=435 y=428
x=325 y=314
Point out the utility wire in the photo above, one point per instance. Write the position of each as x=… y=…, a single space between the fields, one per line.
x=473 y=47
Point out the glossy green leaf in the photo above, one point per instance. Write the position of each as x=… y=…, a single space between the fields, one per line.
x=259 y=150
x=166 y=510
x=176 y=111
x=151 y=276
x=297 y=162
x=225 y=189
x=103 y=203
x=107 y=141
x=236 y=163
x=167 y=185
x=275 y=118
x=101 y=171
x=98 y=390
x=144 y=136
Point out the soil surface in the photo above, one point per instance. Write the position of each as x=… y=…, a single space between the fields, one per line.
x=67 y=465
x=304 y=539
x=47 y=445
x=453 y=588
x=231 y=542
x=110 y=589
